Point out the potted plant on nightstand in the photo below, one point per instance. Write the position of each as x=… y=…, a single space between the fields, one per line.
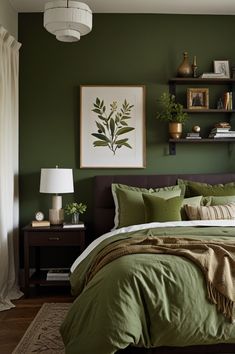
x=75 y=209
x=173 y=113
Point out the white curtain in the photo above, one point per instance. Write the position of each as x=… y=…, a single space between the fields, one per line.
x=9 y=199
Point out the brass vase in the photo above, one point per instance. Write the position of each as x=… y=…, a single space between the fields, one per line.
x=175 y=130
x=185 y=69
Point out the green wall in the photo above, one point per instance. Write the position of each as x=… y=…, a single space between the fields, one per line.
x=121 y=49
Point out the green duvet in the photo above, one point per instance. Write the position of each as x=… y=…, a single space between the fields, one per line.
x=145 y=300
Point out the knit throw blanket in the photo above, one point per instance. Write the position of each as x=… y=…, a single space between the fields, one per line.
x=216 y=259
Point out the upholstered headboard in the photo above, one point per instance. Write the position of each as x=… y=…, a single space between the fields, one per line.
x=103 y=199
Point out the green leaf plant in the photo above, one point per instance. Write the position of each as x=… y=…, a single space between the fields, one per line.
x=171 y=111
x=112 y=125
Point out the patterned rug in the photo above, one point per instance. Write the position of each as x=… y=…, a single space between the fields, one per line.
x=43 y=335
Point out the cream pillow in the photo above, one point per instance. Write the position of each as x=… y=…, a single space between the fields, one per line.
x=215 y=212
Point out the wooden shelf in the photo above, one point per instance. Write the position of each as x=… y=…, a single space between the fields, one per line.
x=173 y=142
x=210 y=110
x=199 y=80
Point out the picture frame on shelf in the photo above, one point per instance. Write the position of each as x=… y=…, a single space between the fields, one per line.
x=222 y=67
x=198 y=98
x=112 y=126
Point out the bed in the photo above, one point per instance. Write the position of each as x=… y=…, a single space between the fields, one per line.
x=84 y=334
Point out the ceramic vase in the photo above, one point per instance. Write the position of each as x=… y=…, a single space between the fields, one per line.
x=185 y=69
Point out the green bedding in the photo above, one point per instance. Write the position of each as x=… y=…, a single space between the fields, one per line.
x=145 y=300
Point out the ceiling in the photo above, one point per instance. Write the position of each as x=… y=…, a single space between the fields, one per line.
x=214 y=7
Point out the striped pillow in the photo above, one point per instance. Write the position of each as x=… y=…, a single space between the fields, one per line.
x=215 y=212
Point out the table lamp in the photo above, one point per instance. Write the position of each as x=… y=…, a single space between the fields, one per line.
x=56 y=181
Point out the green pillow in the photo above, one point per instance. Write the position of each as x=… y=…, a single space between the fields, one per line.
x=129 y=205
x=205 y=189
x=222 y=200
x=194 y=201
x=162 y=210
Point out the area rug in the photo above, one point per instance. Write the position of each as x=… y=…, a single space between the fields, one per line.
x=43 y=336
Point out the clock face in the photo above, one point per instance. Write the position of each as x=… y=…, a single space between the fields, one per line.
x=39 y=216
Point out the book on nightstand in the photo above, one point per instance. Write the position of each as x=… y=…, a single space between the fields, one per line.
x=58 y=274
x=70 y=225
x=42 y=223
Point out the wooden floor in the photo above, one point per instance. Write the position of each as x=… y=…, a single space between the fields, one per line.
x=14 y=322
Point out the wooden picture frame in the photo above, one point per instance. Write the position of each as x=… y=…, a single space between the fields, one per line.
x=112 y=126
x=222 y=67
x=198 y=98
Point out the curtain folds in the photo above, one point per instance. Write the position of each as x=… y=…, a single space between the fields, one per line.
x=9 y=198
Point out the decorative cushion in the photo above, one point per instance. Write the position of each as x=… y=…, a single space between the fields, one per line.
x=205 y=189
x=129 y=204
x=216 y=212
x=162 y=210
x=194 y=201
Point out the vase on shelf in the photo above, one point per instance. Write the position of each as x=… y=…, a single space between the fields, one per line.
x=175 y=130
x=75 y=218
x=185 y=69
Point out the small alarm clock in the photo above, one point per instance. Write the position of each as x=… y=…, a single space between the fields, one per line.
x=39 y=216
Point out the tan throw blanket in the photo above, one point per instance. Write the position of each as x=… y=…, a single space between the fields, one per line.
x=215 y=258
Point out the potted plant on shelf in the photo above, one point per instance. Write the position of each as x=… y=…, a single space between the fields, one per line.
x=172 y=112
x=74 y=209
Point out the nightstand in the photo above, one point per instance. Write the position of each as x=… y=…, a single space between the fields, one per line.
x=52 y=236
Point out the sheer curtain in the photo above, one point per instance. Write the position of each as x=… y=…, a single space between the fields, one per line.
x=9 y=200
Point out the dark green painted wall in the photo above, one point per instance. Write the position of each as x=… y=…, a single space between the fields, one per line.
x=121 y=49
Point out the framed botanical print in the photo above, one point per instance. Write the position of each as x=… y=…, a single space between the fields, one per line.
x=112 y=126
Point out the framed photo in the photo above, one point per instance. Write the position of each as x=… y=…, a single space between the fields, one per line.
x=198 y=98
x=112 y=126
x=222 y=67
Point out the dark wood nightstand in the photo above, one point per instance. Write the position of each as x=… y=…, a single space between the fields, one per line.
x=52 y=236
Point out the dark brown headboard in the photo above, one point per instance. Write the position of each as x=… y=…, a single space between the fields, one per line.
x=104 y=205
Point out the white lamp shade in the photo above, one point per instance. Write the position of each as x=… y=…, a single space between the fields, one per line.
x=56 y=180
x=67 y=19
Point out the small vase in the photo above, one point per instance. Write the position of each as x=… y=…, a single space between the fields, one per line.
x=75 y=218
x=185 y=69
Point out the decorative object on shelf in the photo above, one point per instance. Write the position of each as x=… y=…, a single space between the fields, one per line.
x=196 y=129
x=220 y=104
x=67 y=20
x=185 y=69
x=222 y=67
x=194 y=66
x=112 y=126
x=198 y=98
x=172 y=112
x=56 y=181
x=74 y=209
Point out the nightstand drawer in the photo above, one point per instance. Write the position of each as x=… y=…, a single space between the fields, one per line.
x=56 y=238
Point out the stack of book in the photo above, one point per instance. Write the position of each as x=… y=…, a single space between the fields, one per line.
x=228 y=100
x=212 y=76
x=59 y=274
x=193 y=136
x=222 y=133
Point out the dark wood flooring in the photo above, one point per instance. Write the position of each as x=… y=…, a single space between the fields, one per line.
x=14 y=322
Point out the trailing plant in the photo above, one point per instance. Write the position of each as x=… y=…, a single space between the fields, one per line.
x=73 y=208
x=112 y=125
x=171 y=111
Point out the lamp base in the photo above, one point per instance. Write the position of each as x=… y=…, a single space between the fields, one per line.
x=56 y=216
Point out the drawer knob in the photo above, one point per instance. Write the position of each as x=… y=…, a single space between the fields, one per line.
x=54 y=238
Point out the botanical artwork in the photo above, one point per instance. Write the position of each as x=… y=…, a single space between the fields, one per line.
x=112 y=124
x=112 y=129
